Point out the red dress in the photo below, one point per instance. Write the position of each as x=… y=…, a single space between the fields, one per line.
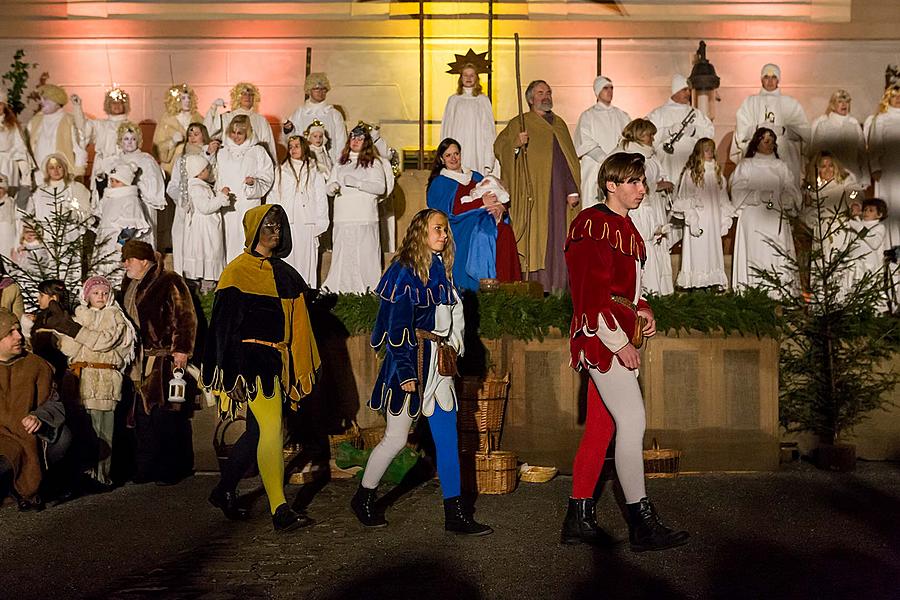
x=508 y=267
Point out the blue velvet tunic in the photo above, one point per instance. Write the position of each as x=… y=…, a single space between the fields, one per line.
x=406 y=305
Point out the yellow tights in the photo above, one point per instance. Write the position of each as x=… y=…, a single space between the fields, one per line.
x=269 y=451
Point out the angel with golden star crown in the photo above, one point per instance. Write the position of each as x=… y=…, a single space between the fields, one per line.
x=468 y=116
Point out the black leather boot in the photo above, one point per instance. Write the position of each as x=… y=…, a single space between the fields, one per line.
x=228 y=503
x=458 y=520
x=580 y=525
x=286 y=519
x=647 y=532
x=363 y=505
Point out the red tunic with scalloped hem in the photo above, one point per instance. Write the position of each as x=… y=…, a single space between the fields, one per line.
x=604 y=253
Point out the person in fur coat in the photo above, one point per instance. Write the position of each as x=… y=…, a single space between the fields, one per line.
x=99 y=342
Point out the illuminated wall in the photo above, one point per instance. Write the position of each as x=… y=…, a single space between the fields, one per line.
x=377 y=79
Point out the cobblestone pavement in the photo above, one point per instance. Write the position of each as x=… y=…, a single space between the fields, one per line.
x=799 y=533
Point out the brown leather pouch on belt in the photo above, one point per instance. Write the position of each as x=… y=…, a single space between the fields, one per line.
x=637 y=340
x=446 y=360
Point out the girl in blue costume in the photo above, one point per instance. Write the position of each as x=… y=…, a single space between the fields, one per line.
x=420 y=308
x=485 y=242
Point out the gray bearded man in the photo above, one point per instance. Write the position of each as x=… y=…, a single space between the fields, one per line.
x=551 y=179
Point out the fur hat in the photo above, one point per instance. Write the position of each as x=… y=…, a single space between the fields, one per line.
x=679 y=82
x=8 y=322
x=54 y=93
x=194 y=164
x=92 y=282
x=124 y=172
x=139 y=250
x=770 y=69
x=600 y=83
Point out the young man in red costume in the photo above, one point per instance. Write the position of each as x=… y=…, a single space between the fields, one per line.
x=605 y=255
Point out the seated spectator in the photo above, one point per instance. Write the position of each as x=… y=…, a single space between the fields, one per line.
x=32 y=433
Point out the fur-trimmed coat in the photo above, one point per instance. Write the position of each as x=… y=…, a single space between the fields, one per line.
x=161 y=307
x=105 y=337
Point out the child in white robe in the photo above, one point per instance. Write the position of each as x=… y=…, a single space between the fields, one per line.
x=317 y=137
x=197 y=142
x=7 y=218
x=300 y=190
x=865 y=236
x=245 y=168
x=702 y=201
x=122 y=218
x=204 y=232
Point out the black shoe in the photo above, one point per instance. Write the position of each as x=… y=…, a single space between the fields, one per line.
x=580 y=525
x=363 y=505
x=458 y=520
x=228 y=503
x=647 y=532
x=35 y=504
x=286 y=519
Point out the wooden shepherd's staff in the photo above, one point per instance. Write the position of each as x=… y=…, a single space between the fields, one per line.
x=529 y=196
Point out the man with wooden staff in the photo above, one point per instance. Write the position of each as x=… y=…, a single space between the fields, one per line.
x=540 y=167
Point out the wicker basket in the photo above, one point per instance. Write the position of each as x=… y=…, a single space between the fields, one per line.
x=474 y=441
x=370 y=436
x=495 y=472
x=533 y=474
x=661 y=462
x=351 y=436
x=482 y=403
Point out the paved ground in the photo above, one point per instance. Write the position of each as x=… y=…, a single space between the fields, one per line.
x=799 y=533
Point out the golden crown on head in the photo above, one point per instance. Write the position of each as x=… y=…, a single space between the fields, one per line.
x=177 y=90
x=362 y=128
x=117 y=94
x=476 y=60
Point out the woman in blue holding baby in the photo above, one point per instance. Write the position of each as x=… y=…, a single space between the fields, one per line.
x=485 y=243
x=420 y=326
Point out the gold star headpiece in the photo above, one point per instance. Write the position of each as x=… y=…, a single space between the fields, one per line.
x=478 y=61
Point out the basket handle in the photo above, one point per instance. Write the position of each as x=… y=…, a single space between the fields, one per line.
x=221 y=428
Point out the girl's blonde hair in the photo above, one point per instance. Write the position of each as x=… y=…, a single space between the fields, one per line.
x=836 y=97
x=241 y=122
x=477 y=90
x=636 y=130
x=695 y=163
x=414 y=251
x=236 y=95
x=129 y=127
x=812 y=173
x=889 y=93
x=173 y=99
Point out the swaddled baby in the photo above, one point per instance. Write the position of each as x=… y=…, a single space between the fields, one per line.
x=489 y=184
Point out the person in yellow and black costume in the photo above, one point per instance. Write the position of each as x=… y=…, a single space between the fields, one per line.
x=261 y=351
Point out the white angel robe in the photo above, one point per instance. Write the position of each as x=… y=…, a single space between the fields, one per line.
x=204 y=232
x=103 y=133
x=61 y=198
x=826 y=207
x=217 y=125
x=121 y=208
x=324 y=164
x=469 y=120
x=330 y=117
x=234 y=163
x=9 y=238
x=783 y=115
x=884 y=155
x=596 y=135
x=14 y=159
x=43 y=136
x=763 y=193
x=668 y=119
x=707 y=215
x=652 y=221
x=151 y=182
x=356 y=258
x=301 y=192
x=842 y=135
